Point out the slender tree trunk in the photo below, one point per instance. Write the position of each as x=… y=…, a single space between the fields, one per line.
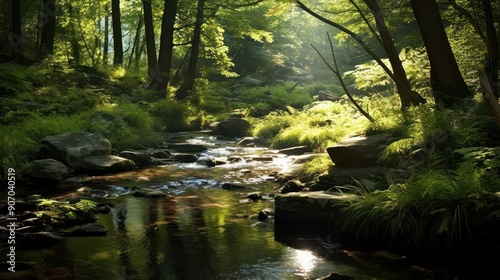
x=117 y=33
x=137 y=40
x=408 y=97
x=106 y=37
x=139 y=52
x=162 y=73
x=150 y=37
x=15 y=36
x=493 y=59
x=48 y=28
x=75 y=45
x=447 y=83
x=188 y=84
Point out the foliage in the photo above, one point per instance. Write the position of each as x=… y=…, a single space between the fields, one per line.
x=277 y=96
x=317 y=126
x=132 y=126
x=14 y=79
x=64 y=209
x=176 y=116
x=20 y=142
x=316 y=166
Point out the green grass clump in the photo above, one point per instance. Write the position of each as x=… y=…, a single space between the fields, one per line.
x=20 y=142
x=131 y=126
x=318 y=126
x=316 y=166
x=14 y=79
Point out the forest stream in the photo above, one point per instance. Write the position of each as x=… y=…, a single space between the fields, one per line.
x=201 y=231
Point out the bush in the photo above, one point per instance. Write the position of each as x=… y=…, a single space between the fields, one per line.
x=177 y=116
x=133 y=127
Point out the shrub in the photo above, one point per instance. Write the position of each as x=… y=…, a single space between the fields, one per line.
x=177 y=116
x=133 y=127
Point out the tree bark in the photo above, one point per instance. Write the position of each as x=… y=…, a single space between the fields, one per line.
x=447 y=83
x=188 y=84
x=117 y=33
x=48 y=28
x=493 y=59
x=75 y=45
x=15 y=36
x=106 y=36
x=150 y=37
x=408 y=97
x=137 y=40
x=162 y=73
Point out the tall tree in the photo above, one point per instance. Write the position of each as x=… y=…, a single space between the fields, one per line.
x=137 y=40
x=117 y=33
x=150 y=37
x=447 y=83
x=106 y=35
x=408 y=97
x=162 y=73
x=493 y=59
x=188 y=83
x=15 y=38
x=75 y=45
x=48 y=28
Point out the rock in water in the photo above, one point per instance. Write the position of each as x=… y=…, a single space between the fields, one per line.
x=48 y=170
x=139 y=158
x=107 y=163
x=71 y=148
x=230 y=128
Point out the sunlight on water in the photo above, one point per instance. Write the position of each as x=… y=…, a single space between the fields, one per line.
x=304 y=260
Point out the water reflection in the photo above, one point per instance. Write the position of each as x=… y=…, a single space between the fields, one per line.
x=305 y=260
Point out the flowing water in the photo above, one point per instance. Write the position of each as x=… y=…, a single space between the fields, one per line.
x=201 y=232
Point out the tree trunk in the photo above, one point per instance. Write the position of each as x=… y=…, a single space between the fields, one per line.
x=117 y=33
x=447 y=83
x=355 y=37
x=48 y=29
x=75 y=45
x=408 y=97
x=162 y=73
x=137 y=40
x=150 y=37
x=15 y=39
x=493 y=59
x=106 y=36
x=188 y=84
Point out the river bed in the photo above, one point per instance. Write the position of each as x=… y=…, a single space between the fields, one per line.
x=201 y=231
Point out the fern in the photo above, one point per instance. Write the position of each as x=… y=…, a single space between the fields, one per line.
x=85 y=205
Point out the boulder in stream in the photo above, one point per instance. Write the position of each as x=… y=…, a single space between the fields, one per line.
x=48 y=170
x=233 y=127
x=71 y=148
x=140 y=158
x=107 y=163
